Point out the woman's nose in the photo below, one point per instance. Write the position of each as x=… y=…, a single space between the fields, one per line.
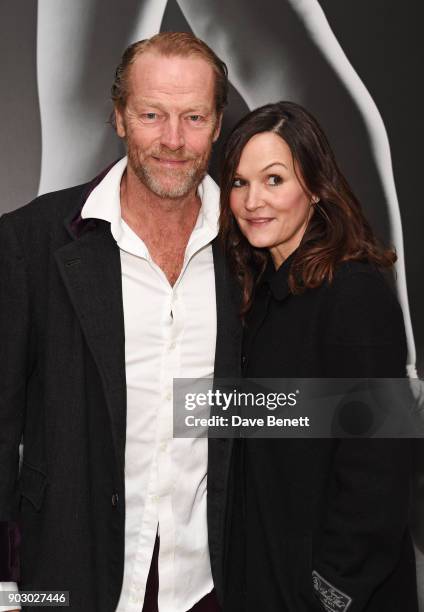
x=254 y=199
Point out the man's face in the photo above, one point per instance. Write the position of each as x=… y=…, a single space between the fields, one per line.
x=169 y=122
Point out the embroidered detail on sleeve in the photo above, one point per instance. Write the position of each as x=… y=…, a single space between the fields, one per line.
x=331 y=598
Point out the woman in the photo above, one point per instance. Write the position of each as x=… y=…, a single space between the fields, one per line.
x=314 y=524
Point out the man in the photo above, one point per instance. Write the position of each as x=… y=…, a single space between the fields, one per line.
x=109 y=291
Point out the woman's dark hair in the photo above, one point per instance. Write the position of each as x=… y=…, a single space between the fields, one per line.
x=337 y=231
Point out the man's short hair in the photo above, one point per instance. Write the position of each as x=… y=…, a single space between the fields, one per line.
x=171 y=44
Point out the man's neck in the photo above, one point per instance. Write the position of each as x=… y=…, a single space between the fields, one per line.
x=164 y=224
x=145 y=211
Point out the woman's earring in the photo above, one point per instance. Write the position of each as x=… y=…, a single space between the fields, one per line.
x=315 y=200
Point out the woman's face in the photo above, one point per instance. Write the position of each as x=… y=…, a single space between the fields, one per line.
x=267 y=199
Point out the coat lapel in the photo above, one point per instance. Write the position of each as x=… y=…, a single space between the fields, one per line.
x=91 y=271
x=227 y=365
x=229 y=330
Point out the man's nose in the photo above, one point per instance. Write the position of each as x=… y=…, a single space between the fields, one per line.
x=172 y=135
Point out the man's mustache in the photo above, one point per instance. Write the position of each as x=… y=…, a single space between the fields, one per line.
x=165 y=153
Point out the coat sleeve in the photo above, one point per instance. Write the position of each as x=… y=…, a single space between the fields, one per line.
x=14 y=324
x=366 y=524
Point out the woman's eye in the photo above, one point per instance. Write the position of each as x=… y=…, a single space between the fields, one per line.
x=274 y=179
x=238 y=182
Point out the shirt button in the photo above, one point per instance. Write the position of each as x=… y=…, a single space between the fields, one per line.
x=115 y=499
x=163 y=446
x=168 y=397
x=172 y=346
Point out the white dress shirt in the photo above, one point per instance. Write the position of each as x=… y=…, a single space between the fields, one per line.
x=170 y=332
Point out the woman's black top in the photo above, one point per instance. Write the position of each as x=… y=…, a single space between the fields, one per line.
x=322 y=524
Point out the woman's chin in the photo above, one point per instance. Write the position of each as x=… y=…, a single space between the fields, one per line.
x=258 y=242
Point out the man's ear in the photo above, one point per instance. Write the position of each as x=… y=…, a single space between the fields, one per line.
x=217 y=129
x=119 y=121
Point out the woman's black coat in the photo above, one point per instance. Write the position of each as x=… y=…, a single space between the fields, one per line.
x=322 y=524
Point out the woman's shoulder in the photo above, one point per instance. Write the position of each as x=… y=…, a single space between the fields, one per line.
x=362 y=306
x=360 y=268
x=364 y=279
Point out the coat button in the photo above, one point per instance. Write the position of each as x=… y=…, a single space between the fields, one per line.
x=243 y=360
x=115 y=499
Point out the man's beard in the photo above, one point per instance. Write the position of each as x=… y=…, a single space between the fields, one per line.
x=169 y=182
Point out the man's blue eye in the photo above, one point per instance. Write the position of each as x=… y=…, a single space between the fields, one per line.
x=195 y=118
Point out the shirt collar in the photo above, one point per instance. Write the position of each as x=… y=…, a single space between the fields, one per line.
x=104 y=203
x=277 y=280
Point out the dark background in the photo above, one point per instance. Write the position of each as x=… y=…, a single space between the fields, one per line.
x=383 y=41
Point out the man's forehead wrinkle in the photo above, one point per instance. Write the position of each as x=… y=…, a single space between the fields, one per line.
x=182 y=97
x=168 y=82
x=149 y=90
x=156 y=93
